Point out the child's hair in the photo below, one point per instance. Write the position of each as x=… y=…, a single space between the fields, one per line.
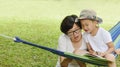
x=68 y=23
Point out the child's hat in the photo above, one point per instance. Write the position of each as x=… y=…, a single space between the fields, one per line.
x=89 y=14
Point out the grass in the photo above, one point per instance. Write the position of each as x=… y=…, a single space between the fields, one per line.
x=15 y=54
x=38 y=21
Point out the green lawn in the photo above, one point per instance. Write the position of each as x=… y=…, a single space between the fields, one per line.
x=38 y=21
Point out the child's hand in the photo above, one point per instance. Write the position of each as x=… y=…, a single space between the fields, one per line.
x=117 y=51
x=101 y=53
x=92 y=52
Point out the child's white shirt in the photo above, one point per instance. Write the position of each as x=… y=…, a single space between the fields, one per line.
x=99 y=41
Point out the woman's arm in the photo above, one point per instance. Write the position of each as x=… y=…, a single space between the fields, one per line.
x=64 y=61
x=62 y=44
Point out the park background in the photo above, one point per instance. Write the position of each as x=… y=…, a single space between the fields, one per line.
x=38 y=21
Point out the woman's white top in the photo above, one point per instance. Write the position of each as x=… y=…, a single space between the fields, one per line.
x=99 y=41
x=65 y=45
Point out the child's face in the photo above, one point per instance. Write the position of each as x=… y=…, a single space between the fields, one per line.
x=88 y=25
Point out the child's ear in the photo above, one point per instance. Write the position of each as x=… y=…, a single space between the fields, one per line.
x=95 y=22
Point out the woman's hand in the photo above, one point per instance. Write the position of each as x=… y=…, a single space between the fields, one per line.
x=80 y=52
x=76 y=51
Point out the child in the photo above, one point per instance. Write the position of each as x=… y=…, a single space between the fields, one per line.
x=99 y=41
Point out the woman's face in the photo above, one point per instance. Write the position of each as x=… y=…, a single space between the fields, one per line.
x=74 y=33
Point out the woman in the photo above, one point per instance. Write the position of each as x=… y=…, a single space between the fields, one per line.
x=71 y=41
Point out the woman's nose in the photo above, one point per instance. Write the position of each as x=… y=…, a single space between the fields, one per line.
x=75 y=34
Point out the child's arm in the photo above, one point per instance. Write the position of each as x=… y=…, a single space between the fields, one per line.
x=110 y=49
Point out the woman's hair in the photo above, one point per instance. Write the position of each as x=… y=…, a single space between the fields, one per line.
x=68 y=23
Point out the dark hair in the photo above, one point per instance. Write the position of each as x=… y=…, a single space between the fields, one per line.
x=68 y=23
